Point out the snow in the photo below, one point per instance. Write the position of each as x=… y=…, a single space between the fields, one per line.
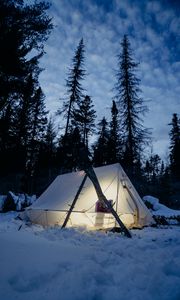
x=159 y=209
x=19 y=200
x=50 y=263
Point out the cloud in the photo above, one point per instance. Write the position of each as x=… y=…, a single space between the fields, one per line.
x=152 y=27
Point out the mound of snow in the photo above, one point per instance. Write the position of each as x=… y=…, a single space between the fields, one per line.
x=20 y=200
x=159 y=209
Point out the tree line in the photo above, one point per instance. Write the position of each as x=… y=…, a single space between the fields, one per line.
x=33 y=152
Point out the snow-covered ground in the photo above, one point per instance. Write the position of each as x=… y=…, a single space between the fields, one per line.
x=54 y=264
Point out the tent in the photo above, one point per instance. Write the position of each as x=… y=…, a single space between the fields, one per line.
x=52 y=206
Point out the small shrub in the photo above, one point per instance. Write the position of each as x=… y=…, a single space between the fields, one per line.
x=9 y=203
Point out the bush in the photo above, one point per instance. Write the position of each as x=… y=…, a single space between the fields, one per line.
x=9 y=203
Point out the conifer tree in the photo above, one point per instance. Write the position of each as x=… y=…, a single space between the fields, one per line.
x=131 y=107
x=22 y=29
x=38 y=127
x=50 y=137
x=48 y=147
x=75 y=95
x=84 y=118
x=114 y=140
x=46 y=165
x=100 y=156
x=24 y=112
x=74 y=86
x=31 y=128
x=68 y=150
x=175 y=146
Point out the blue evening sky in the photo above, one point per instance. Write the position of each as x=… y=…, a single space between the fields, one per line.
x=153 y=29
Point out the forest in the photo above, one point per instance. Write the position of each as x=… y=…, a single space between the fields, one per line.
x=33 y=152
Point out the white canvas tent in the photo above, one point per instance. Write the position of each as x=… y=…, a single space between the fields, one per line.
x=52 y=206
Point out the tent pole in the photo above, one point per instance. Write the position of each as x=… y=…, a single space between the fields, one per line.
x=74 y=202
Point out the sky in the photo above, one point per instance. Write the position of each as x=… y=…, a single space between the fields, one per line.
x=152 y=27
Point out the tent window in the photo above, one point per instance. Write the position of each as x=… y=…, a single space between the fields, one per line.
x=100 y=207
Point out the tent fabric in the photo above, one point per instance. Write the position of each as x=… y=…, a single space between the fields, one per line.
x=52 y=206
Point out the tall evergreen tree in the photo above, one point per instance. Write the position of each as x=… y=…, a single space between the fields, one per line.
x=175 y=146
x=153 y=168
x=68 y=151
x=24 y=112
x=23 y=28
x=31 y=130
x=74 y=86
x=131 y=107
x=50 y=137
x=47 y=152
x=38 y=127
x=114 y=139
x=100 y=156
x=75 y=95
x=84 y=117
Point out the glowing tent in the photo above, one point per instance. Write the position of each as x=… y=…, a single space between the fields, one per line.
x=52 y=206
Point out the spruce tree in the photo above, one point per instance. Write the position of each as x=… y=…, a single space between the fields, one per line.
x=68 y=151
x=131 y=106
x=38 y=127
x=47 y=152
x=175 y=146
x=75 y=95
x=100 y=148
x=31 y=128
x=84 y=118
x=24 y=112
x=114 y=140
x=49 y=140
x=74 y=86
x=23 y=28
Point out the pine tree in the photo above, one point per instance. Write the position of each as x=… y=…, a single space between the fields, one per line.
x=23 y=28
x=84 y=117
x=74 y=86
x=24 y=112
x=48 y=147
x=31 y=129
x=50 y=137
x=175 y=147
x=131 y=107
x=75 y=95
x=114 y=140
x=68 y=151
x=37 y=130
x=153 y=168
x=100 y=156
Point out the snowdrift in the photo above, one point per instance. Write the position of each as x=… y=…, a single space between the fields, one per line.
x=161 y=213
